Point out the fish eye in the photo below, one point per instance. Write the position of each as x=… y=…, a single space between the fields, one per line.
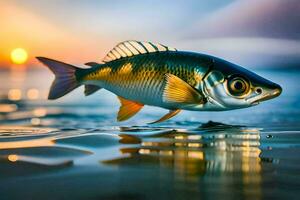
x=238 y=86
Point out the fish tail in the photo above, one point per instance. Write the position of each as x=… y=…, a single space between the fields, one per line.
x=65 y=77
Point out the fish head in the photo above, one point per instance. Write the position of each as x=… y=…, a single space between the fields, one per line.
x=228 y=86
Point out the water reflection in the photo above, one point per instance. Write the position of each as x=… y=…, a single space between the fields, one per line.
x=217 y=151
x=33 y=94
x=220 y=149
x=43 y=142
x=220 y=158
x=8 y=108
x=14 y=94
x=13 y=157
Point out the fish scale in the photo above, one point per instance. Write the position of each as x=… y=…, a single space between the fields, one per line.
x=145 y=81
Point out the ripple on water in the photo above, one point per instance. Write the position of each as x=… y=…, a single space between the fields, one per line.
x=19 y=131
x=27 y=150
x=211 y=150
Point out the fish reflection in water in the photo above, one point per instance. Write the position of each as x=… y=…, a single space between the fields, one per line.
x=208 y=151
x=213 y=159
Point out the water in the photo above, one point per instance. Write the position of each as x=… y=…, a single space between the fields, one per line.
x=73 y=148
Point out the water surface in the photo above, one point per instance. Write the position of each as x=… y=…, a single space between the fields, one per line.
x=73 y=148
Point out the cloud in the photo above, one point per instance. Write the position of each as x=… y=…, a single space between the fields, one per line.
x=255 y=33
x=255 y=18
x=252 y=52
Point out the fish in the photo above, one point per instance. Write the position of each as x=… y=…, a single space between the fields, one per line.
x=146 y=73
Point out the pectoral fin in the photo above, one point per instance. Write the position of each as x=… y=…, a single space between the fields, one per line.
x=179 y=91
x=128 y=109
x=90 y=89
x=171 y=113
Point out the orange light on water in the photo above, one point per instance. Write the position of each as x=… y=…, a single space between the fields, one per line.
x=196 y=155
x=26 y=144
x=32 y=94
x=35 y=121
x=14 y=94
x=40 y=112
x=13 y=158
x=7 y=108
x=144 y=151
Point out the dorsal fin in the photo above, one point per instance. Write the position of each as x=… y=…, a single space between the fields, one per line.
x=133 y=47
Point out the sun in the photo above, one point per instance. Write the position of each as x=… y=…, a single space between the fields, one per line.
x=18 y=56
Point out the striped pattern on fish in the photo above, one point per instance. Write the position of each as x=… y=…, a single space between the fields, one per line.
x=141 y=78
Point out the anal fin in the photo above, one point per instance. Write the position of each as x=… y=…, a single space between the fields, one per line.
x=128 y=109
x=90 y=89
x=171 y=113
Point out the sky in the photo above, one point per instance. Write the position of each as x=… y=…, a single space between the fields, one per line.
x=252 y=33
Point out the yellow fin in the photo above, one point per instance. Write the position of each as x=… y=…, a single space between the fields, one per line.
x=128 y=109
x=179 y=91
x=170 y=114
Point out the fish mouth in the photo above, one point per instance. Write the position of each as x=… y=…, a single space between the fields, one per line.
x=270 y=95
